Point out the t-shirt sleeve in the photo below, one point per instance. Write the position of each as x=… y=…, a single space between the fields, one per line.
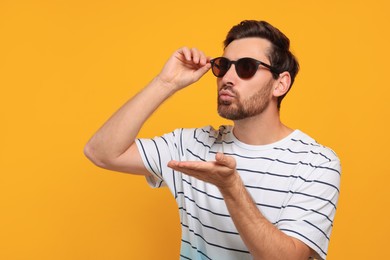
x=309 y=212
x=156 y=153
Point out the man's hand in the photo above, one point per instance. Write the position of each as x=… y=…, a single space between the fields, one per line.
x=185 y=67
x=221 y=172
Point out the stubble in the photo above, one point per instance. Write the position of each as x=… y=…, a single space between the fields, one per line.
x=240 y=109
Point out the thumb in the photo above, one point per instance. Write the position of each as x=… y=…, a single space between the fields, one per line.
x=225 y=160
x=202 y=70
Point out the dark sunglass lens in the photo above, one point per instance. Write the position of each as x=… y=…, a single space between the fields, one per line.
x=220 y=67
x=246 y=68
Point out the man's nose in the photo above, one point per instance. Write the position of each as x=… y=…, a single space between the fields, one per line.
x=230 y=75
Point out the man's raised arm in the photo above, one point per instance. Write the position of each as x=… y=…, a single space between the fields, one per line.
x=112 y=146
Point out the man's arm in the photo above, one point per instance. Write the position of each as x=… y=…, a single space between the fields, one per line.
x=113 y=146
x=261 y=237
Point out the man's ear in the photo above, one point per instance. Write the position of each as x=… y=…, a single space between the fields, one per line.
x=283 y=84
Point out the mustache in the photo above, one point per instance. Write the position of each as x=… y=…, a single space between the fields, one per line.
x=229 y=88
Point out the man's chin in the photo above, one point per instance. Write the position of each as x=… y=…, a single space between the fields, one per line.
x=227 y=113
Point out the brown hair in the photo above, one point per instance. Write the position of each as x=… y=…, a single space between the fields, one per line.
x=279 y=55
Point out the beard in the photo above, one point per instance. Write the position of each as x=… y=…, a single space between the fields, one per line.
x=252 y=106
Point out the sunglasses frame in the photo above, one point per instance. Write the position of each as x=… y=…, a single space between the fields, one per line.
x=230 y=62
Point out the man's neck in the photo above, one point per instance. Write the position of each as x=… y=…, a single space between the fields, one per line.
x=262 y=129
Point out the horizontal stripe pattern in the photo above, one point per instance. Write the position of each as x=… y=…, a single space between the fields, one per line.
x=294 y=183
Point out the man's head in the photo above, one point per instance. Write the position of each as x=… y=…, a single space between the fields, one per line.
x=279 y=53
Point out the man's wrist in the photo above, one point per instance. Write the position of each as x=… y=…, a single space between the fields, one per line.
x=166 y=83
x=165 y=86
x=233 y=188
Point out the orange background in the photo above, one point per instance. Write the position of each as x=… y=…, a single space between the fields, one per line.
x=66 y=66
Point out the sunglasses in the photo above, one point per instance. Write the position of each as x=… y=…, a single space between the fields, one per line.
x=245 y=67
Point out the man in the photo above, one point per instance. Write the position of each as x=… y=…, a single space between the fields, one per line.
x=255 y=190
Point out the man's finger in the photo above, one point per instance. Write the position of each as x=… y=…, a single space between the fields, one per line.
x=189 y=165
x=202 y=70
x=225 y=160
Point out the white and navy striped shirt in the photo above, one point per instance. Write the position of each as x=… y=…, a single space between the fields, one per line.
x=294 y=183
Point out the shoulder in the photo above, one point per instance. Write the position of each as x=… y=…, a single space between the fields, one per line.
x=315 y=159
x=303 y=142
x=305 y=152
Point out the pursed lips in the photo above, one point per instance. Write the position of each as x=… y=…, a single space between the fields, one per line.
x=226 y=95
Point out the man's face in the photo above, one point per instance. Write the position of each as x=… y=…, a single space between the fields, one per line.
x=242 y=98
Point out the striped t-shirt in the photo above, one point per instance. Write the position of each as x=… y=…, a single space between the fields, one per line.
x=294 y=183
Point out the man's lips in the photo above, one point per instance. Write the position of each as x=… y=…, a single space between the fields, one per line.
x=225 y=95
